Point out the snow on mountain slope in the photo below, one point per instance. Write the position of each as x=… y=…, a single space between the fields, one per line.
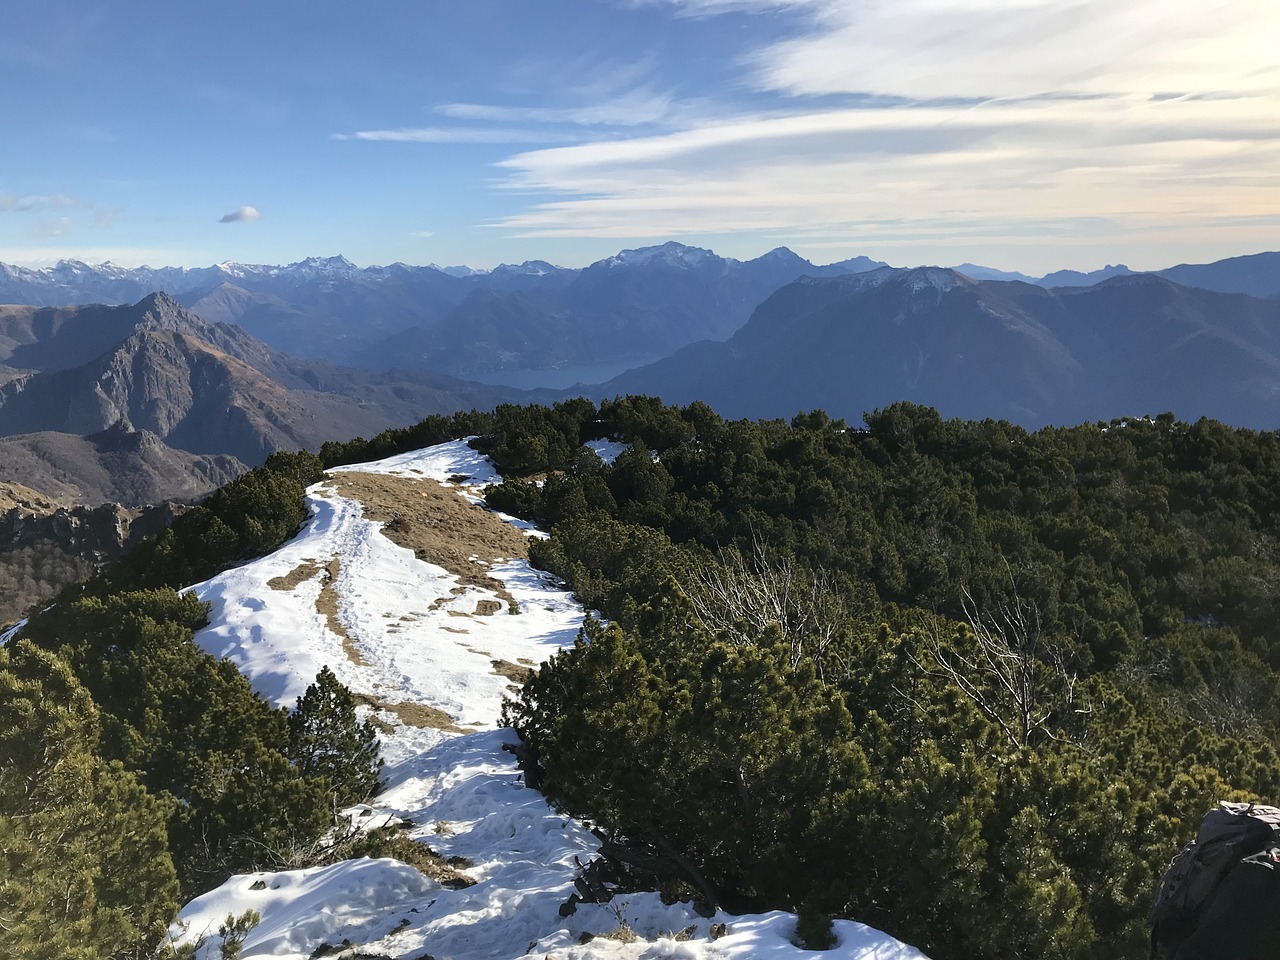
x=397 y=629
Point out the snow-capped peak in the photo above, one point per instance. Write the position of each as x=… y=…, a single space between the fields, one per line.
x=325 y=267
x=530 y=268
x=936 y=278
x=782 y=253
x=461 y=270
x=670 y=253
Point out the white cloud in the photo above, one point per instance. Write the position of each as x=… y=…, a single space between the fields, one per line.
x=1001 y=169
x=241 y=215
x=10 y=203
x=453 y=135
x=710 y=8
x=1021 y=48
x=422 y=234
x=633 y=109
x=976 y=118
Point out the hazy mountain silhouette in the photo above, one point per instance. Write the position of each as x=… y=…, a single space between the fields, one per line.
x=1128 y=346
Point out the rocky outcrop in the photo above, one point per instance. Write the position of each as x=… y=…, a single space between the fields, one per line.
x=46 y=545
x=100 y=533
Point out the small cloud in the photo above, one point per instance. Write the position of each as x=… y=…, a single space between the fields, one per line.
x=422 y=234
x=243 y=215
x=14 y=204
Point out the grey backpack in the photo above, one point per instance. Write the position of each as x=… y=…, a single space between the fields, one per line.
x=1233 y=835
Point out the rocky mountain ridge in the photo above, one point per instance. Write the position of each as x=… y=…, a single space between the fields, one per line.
x=202 y=387
x=1132 y=345
x=633 y=307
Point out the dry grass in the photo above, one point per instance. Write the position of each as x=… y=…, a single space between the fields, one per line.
x=439 y=525
x=299 y=574
x=327 y=605
x=29 y=502
x=413 y=714
x=326 y=602
x=512 y=671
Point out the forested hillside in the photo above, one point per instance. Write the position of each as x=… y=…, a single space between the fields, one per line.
x=971 y=685
x=138 y=768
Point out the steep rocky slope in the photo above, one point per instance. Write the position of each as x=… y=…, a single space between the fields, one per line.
x=202 y=387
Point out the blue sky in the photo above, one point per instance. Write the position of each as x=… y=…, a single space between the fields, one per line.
x=1020 y=134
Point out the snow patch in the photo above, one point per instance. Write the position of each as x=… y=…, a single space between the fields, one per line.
x=12 y=632
x=606 y=450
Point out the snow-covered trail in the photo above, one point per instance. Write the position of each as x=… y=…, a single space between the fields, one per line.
x=410 y=634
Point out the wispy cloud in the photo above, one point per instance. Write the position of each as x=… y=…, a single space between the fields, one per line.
x=422 y=234
x=592 y=97
x=999 y=118
x=711 y=8
x=905 y=172
x=10 y=203
x=454 y=135
x=51 y=228
x=1021 y=48
x=636 y=108
x=241 y=215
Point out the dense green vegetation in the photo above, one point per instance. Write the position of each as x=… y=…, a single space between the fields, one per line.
x=173 y=773
x=966 y=683
x=249 y=517
x=84 y=869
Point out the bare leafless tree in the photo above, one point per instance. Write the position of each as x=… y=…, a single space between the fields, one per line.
x=1016 y=674
x=739 y=597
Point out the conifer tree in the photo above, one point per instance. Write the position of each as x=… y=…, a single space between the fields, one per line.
x=327 y=740
x=84 y=868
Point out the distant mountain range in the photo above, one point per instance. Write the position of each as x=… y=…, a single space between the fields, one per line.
x=1130 y=345
x=209 y=389
x=635 y=306
x=180 y=397
x=1257 y=275
x=631 y=308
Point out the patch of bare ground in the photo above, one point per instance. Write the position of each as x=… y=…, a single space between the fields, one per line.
x=412 y=714
x=420 y=856
x=327 y=605
x=624 y=934
x=394 y=841
x=299 y=574
x=326 y=602
x=439 y=525
x=512 y=671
